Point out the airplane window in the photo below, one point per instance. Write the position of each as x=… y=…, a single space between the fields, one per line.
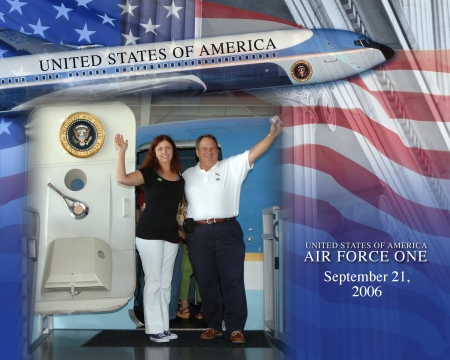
x=274 y=55
x=117 y=70
x=50 y=77
x=199 y=62
x=186 y=63
x=16 y=80
x=260 y=56
x=77 y=185
x=70 y=75
x=253 y=56
x=10 y=81
x=103 y=71
x=226 y=59
x=83 y=73
x=364 y=43
x=172 y=65
x=57 y=76
x=206 y=61
x=233 y=58
x=151 y=67
x=43 y=77
x=213 y=60
x=159 y=66
x=131 y=68
x=267 y=55
x=165 y=65
x=3 y=81
x=124 y=69
x=23 y=79
x=145 y=67
x=240 y=57
x=246 y=57
x=97 y=72
x=90 y=72
x=77 y=74
x=219 y=59
x=138 y=68
x=179 y=63
x=192 y=62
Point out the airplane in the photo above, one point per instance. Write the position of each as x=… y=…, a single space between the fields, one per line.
x=296 y=56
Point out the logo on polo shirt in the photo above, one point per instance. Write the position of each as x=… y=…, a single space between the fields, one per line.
x=217 y=176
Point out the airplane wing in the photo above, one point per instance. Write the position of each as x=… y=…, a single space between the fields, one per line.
x=16 y=43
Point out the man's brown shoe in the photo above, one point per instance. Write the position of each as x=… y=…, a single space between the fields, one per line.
x=237 y=337
x=210 y=334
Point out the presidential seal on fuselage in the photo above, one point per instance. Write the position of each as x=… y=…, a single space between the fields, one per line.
x=82 y=134
x=301 y=71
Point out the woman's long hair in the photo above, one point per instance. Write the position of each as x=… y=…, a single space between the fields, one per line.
x=152 y=161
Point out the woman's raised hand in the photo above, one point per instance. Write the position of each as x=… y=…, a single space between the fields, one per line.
x=121 y=144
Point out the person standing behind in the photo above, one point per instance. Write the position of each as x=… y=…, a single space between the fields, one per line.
x=157 y=227
x=216 y=245
x=186 y=273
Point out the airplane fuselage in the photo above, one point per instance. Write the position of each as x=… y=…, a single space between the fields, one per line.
x=241 y=62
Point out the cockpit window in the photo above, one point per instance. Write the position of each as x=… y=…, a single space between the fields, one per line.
x=363 y=43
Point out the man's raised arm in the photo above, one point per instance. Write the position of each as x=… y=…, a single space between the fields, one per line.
x=262 y=146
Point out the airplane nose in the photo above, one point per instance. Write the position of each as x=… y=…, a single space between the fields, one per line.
x=386 y=50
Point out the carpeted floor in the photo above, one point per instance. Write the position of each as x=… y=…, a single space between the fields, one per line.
x=186 y=338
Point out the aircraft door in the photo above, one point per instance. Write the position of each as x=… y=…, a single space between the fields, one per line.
x=271 y=268
x=87 y=219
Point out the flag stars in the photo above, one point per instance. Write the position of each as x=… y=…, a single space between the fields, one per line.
x=84 y=34
x=16 y=5
x=128 y=8
x=1 y=17
x=173 y=10
x=83 y=3
x=107 y=19
x=2 y=52
x=131 y=40
x=23 y=31
x=62 y=11
x=4 y=127
x=104 y=53
x=172 y=45
x=20 y=72
x=150 y=27
x=38 y=28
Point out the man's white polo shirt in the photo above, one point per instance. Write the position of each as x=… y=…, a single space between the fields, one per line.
x=215 y=193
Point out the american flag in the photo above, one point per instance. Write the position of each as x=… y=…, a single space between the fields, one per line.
x=103 y=22
x=370 y=165
x=114 y=23
x=81 y=23
x=13 y=256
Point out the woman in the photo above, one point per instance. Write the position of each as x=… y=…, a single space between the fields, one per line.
x=157 y=228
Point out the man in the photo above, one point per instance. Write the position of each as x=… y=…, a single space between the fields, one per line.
x=216 y=246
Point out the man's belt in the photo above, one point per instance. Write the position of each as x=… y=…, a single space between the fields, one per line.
x=212 y=221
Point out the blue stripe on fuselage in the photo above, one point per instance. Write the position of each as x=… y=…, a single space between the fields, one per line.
x=238 y=77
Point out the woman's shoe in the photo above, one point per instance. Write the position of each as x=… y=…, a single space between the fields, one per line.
x=184 y=313
x=199 y=316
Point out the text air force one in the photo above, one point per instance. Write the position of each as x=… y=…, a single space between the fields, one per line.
x=222 y=63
